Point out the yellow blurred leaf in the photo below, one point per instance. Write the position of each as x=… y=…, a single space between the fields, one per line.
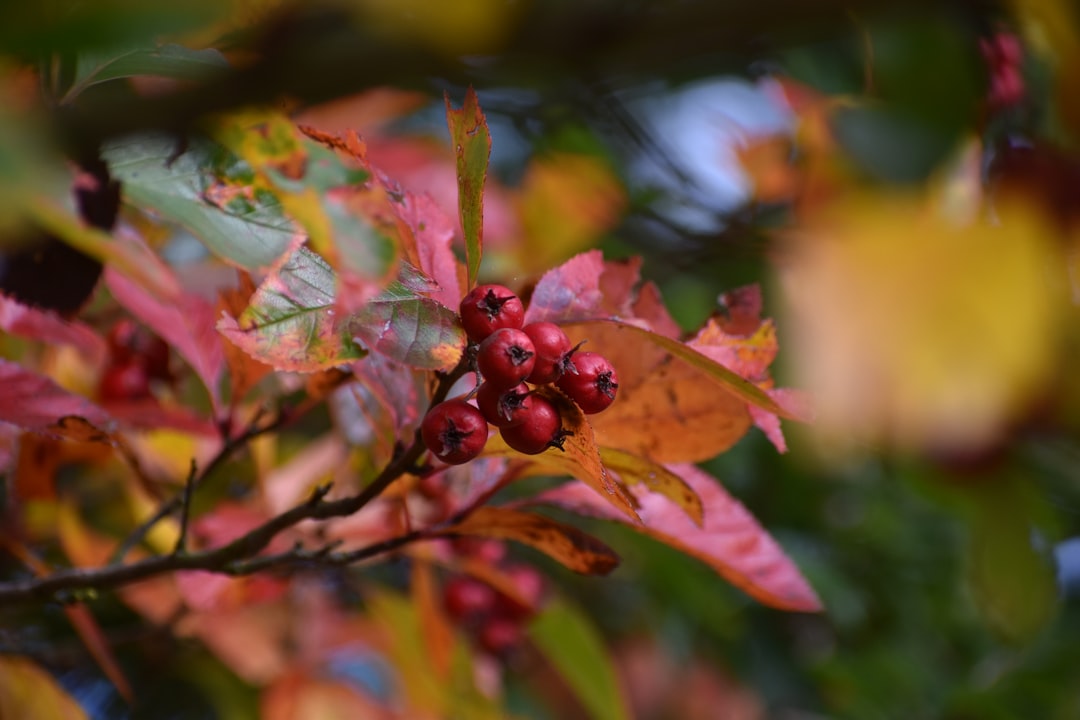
x=29 y=693
x=566 y=202
x=918 y=332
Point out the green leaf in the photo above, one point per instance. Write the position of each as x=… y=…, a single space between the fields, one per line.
x=27 y=691
x=291 y=323
x=247 y=229
x=472 y=148
x=411 y=329
x=573 y=646
x=1012 y=582
x=170 y=61
x=713 y=370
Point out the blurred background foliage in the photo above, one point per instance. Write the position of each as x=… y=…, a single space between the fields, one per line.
x=949 y=583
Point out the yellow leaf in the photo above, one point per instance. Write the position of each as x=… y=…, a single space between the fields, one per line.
x=29 y=693
x=915 y=331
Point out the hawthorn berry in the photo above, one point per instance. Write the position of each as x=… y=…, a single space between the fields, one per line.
x=465 y=597
x=541 y=429
x=124 y=381
x=594 y=384
x=454 y=431
x=488 y=308
x=499 y=635
x=506 y=357
x=552 y=352
x=504 y=408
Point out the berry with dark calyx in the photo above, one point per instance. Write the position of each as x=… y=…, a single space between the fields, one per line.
x=504 y=408
x=552 y=352
x=541 y=429
x=488 y=308
x=454 y=431
x=594 y=385
x=506 y=357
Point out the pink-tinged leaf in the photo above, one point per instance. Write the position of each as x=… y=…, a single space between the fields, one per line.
x=434 y=235
x=150 y=414
x=35 y=402
x=633 y=469
x=731 y=540
x=411 y=329
x=749 y=356
x=569 y=292
x=797 y=402
x=186 y=323
x=567 y=544
x=48 y=327
x=472 y=149
x=291 y=323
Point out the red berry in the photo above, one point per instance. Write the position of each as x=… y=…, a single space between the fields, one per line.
x=530 y=588
x=552 y=351
x=594 y=384
x=488 y=308
x=465 y=597
x=506 y=357
x=541 y=429
x=124 y=381
x=499 y=635
x=454 y=431
x=504 y=408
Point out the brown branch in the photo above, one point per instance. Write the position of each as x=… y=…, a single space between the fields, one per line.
x=239 y=557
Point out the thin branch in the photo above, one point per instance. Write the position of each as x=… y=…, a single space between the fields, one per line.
x=230 y=446
x=185 y=509
x=239 y=556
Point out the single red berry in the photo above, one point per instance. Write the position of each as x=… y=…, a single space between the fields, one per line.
x=594 y=384
x=552 y=352
x=499 y=635
x=529 y=584
x=124 y=381
x=465 y=597
x=506 y=358
x=454 y=431
x=541 y=429
x=504 y=408
x=488 y=308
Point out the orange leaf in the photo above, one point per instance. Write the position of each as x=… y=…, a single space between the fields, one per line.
x=572 y=547
x=731 y=540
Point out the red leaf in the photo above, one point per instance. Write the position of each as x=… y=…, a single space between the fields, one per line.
x=569 y=292
x=188 y=324
x=35 y=402
x=434 y=233
x=731 y=540
x=18 y=319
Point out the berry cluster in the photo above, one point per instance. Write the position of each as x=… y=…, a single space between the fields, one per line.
x=514 y=359
x=1004 y=57
x=493 y=618
x=136 y=359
